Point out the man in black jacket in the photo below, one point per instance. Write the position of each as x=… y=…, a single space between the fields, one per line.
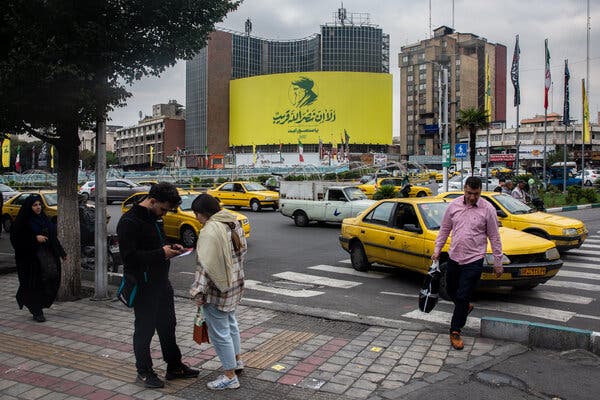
x=146 y=255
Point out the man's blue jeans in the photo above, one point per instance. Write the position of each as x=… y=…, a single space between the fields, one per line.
x=461 y=281
x=224 y=334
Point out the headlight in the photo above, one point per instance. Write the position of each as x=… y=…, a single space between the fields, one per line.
x=268 y=198
x=570 y=232
x=552 y=254
x=489 y=259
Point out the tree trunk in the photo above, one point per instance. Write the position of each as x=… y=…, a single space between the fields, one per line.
x=472 y=150
x=68 y=213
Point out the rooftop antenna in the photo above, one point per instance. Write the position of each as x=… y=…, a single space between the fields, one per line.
x=140 y=114
x=430 y=31
x=342 y=14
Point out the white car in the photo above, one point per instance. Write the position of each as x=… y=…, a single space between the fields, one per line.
x=590 y=176
x=456 y=184
x=87 y=190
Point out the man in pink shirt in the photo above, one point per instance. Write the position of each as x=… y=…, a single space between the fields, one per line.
x=472 y=220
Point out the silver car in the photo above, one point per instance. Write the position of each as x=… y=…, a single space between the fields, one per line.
x=7 y=192
x=120 y=189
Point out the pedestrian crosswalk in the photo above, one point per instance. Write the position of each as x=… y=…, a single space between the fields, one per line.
x=566 y=297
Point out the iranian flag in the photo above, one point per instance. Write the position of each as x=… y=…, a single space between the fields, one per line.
x=300 y=151
x=18 y=159
x=548 y=81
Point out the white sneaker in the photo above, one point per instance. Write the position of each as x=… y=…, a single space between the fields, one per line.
x=239 y=368
x=223 y=382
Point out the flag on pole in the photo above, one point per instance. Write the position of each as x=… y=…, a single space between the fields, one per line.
x=300 y=151
x=566 y=106
x=18 y=158
x=548 y=80
x=6 y=153
x=51 y=157
x=514 y=73
x=488 y=89
x=151 y=154
x=586 y=114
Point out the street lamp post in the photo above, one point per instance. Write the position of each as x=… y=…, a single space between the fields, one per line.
x=248 y=28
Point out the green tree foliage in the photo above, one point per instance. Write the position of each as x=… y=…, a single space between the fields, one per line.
x=385 y=192
x=65 y=64
x=472 y=119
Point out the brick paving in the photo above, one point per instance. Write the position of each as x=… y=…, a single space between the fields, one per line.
x=84 y=351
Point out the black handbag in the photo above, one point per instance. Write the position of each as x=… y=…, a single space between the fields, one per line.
x=129 y=288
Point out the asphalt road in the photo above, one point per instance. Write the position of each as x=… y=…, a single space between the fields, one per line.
x=307 y=267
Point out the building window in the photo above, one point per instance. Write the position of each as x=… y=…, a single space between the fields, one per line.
x=409 y=78
x=422 y=67
x=422 y=56
x=405 y=59
x=457 y=61
x=422 y=86
x=422 y=77
x=410 y=68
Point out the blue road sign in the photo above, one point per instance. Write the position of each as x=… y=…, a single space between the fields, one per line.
x=460 y=150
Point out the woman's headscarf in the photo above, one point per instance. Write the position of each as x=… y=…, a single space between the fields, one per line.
x=40 y=224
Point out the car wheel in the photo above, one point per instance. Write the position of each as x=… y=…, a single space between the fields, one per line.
x=301 y=219
x=6 y=223
x=421 y=194
x=358 y=257
x=255 y=205
x=188 y=237
x=443 y=289
x=588 y=183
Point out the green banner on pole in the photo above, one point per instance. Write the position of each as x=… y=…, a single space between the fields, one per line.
x=446 y=162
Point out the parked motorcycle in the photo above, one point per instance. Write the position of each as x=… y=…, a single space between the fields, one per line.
x=87 y=218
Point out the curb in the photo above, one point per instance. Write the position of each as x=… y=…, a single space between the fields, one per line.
x=572 y=208
x=535 y=334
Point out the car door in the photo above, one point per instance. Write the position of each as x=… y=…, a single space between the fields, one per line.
x=240 y=195
x=374 y=231
x=225 y=193
x=111 y=190
x=337 y=207
x=405 y=242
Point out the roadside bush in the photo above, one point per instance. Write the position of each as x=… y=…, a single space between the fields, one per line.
x=385 y=192
x=579 y=195
x=207 y=182
x=588 y=196
x=195 y=182
x=222 y=179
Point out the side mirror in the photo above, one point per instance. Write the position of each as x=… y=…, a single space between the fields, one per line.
x=501 y=214
x=412 y=228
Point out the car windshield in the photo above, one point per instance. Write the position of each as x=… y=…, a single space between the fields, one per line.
x=513 y=205
x=432 y=214
x=254 y=187
x=5 y=188
x=354 y=193
x=51 y=199
x=186 y=202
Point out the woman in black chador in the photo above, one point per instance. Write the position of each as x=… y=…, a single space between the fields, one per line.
x=38 y=254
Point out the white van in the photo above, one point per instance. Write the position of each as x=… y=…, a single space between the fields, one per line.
x=571 y=166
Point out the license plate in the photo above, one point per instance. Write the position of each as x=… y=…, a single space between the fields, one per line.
x=533 y=271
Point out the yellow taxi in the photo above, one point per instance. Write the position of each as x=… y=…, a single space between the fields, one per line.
x=371 y=187
x=402 y=232
x=566 y=233
x=245 y=194
x=181 y=224
x=11 y=207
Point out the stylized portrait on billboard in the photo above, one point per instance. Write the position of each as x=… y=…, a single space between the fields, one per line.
x=302 y=92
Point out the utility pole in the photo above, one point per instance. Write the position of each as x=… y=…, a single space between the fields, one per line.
x=100 y=251
x=445 y=78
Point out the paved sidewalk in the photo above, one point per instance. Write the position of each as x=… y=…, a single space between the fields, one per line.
x=84 y=351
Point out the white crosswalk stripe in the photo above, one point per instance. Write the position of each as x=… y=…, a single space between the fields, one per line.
x=583 y=259
x=590 y=246
x=570 y=264
x=554 y=296
x=522 y=309
x=316 y=280
x=563 y=273
x=573 y=285
x=349 y=271
x=259 y=286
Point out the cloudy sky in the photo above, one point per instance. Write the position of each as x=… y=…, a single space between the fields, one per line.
x=563 y=22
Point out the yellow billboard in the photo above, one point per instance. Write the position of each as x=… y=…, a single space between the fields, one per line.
x=330 y=107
